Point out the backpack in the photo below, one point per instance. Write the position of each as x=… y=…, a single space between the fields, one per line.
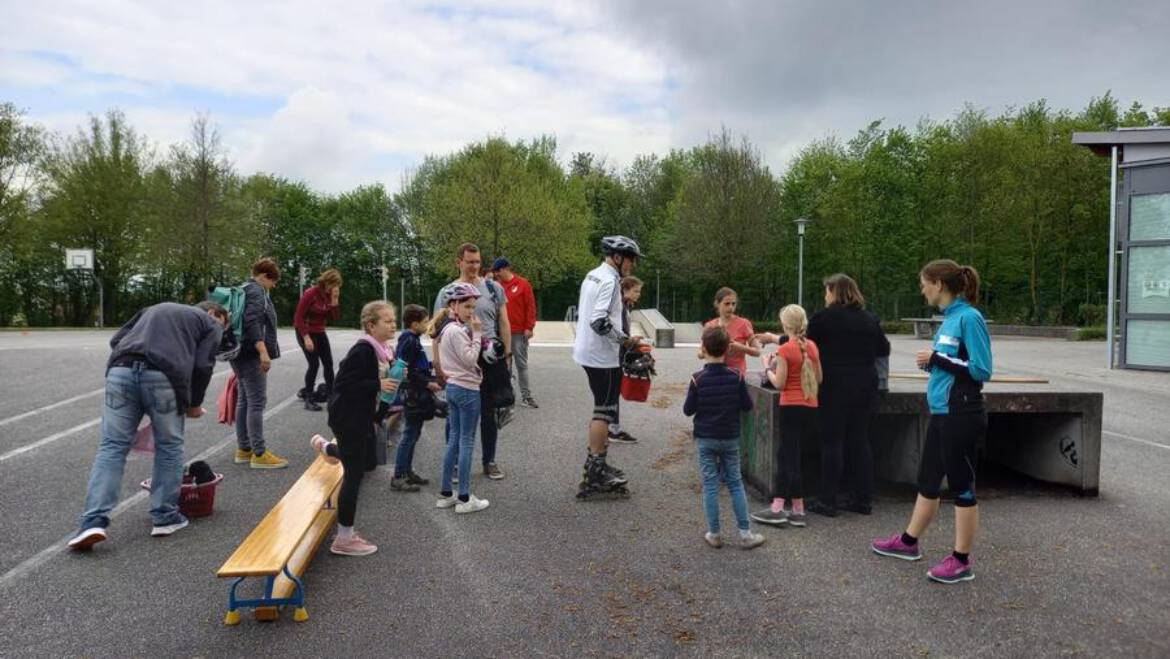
x=231 y=298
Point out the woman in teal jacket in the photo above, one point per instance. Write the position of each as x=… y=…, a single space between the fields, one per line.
x=959 y=363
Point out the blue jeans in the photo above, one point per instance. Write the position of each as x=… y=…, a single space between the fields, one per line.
x=251 y=398
x=132 y=393
x=404 y=456
x=719 y=461
x=462 y=417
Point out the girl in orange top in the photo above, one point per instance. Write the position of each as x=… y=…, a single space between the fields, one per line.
x=797 y=376
x=743 y=335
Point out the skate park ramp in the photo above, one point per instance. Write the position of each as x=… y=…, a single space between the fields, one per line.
x=688 y=332
x=655 y=326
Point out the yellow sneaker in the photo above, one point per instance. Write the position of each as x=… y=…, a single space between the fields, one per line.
x=243 y=457
x=268 y=460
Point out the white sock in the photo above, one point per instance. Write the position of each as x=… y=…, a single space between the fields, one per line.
x=344 y=533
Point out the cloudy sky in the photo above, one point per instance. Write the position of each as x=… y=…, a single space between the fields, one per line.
x=341 y=94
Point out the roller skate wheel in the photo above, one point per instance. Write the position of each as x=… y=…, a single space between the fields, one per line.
x=232 y=618
x=301 y=614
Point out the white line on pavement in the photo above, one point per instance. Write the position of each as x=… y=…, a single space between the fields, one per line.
x=36 y=560
x=48 y=440
x=25 y=415
x=46 y=408
x=1135 y=439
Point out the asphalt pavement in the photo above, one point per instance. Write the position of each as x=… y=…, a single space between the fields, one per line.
x=542 y=574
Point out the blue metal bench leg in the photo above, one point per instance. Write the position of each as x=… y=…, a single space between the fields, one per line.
x=233 y=615
x=268 y=603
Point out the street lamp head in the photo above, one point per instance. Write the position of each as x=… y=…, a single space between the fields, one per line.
x=800 y=224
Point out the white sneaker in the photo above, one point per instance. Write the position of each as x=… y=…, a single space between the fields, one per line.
x=319 y=445
x=161 y=531
x=713 y=539
x=473 y=505
x=750 y=539
x=87 y=538
x=447 y=502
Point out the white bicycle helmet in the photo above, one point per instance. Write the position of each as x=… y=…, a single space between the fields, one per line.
x=460 y=290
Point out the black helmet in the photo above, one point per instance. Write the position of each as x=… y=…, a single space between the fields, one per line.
x=620 y=245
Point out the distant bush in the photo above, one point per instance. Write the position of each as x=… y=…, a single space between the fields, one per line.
x=897 y=327
x=1095 y=333
x=1092 y=315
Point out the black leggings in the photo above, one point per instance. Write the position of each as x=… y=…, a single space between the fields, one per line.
x=357 y=457
x=845 y=447
x=950 y=450
x=796 y=423
x=322 y=354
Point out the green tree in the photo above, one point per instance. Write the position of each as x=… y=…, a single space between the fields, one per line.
x=95 y=197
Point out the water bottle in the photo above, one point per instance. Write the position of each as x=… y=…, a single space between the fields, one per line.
x=396 y=372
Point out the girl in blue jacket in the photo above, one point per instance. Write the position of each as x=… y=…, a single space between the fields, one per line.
x=959 y=363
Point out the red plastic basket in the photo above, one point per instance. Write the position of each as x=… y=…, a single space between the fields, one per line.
x=635 y=389
x=195 y=500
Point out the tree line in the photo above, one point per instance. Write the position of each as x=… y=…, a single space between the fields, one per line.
x=1009 y=194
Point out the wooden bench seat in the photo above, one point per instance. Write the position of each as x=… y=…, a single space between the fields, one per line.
x=283 y=543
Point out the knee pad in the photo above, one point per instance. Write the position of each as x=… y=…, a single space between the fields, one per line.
x=965 y=499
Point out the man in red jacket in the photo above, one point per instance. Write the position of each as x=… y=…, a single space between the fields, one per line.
x=522 y=316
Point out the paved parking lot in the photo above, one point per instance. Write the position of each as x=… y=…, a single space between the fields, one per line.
x=540 y=574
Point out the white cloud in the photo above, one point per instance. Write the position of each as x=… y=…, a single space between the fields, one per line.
x=331 y=93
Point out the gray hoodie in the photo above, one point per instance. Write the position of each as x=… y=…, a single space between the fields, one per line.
x=178 y=340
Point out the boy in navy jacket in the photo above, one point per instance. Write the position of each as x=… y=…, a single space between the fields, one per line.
x=716 y=397
x=419 y=378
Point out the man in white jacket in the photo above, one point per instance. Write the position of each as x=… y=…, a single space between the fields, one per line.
x=597 y=348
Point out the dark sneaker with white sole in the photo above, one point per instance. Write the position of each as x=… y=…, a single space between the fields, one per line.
x=87 y=538
x=768 y=516
x=622 y=437
x=168 y=529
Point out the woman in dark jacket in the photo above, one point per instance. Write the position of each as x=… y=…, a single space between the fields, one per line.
x=318 y=305
x=850 y=339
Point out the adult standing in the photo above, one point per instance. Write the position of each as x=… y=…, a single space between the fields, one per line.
x=596 y=349
x=850 y=339
x=319 y=304
x=522 y=318
x=959 y=363
x=492 y=309
x=739 y=330
x=160 y=364
x=259 y=347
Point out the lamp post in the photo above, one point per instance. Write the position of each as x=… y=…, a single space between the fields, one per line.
x=801 y=223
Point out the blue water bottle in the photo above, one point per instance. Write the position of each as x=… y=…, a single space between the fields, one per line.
x=396 y=372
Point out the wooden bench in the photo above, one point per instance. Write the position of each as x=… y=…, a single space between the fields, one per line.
x=924 y=328
x=282 y=545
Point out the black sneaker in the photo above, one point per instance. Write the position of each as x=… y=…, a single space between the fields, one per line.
x=859 y=508
x=312 y=405
x=622 y=437
x=529 y=401
x=493 y=471
x=768 y=516
x=403 y=485
x=818 y=508
x=415 y=479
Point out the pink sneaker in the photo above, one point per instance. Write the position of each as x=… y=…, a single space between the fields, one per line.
x=895 y=548
x=951 y=570
x=319 y=443
x=355 y=546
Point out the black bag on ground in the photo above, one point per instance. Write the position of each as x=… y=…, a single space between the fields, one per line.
x=201 y=472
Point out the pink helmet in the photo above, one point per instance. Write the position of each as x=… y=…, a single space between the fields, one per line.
x=461 y=290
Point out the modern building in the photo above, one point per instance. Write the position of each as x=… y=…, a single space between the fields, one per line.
x=1139 y=238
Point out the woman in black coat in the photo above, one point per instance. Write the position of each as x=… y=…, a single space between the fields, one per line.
x=850 y=339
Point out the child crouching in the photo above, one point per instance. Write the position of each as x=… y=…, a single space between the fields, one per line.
x=716 y=397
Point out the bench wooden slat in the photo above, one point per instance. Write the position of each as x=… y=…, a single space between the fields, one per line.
x=273 y=542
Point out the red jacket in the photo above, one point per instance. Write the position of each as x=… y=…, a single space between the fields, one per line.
x=315 y=308
x=521 y=303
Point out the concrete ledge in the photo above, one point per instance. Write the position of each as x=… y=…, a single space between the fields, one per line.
x=1038 y=331
x=1052 y=436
